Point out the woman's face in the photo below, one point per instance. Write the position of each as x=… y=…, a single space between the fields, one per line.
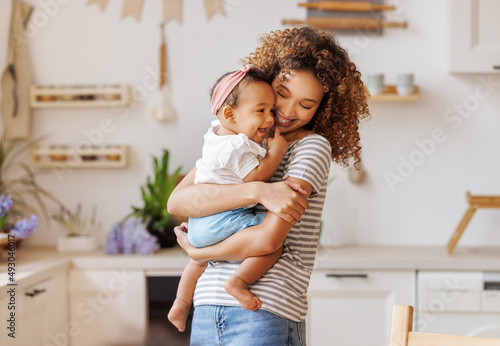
x=297 y=100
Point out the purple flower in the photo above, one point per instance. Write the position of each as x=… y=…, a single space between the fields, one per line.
x=5 y=204
x=25 y=227
x=113 y=244
x=131 y=237
x=146 y=243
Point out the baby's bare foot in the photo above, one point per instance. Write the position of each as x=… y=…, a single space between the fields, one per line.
x=178 y=314
x=239 y=289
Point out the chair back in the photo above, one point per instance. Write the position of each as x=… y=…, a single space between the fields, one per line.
x=402 y=334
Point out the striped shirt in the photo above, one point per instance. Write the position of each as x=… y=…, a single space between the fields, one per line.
x=283 y=289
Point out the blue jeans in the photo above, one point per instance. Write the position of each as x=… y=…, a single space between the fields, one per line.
x=215 y=325
x=211 y=229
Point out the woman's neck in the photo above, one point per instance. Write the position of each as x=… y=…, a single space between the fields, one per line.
x=296 y=135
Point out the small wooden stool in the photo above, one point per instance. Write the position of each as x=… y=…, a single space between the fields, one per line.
x=475 y=202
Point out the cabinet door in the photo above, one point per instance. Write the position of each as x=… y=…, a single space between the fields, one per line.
x=355 y=308
x=33 y=313
x=58 y=326
x=4 y=311
x=475 y=39
x=107 y=307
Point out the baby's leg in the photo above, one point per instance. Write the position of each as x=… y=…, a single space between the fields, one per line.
x=185 y=291
x=249 y=271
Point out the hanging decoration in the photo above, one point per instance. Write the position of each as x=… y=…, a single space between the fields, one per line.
x=172 y=9
x=214 y=6
x=164 y=110
x=132 y=8
x=16 y=77
x=102 y=3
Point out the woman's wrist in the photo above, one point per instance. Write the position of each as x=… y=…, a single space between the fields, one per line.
x=254 y=190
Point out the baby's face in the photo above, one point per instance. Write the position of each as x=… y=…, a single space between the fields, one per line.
x=254 y=113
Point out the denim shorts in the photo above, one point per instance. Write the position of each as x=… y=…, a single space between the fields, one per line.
x=215 y=325
x=211 y=229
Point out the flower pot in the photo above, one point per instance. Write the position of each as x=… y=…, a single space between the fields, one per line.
x=78 y=243
x=165 y=234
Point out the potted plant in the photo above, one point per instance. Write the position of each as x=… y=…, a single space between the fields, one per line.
x=155 y=194
x=18 y=181
x=80 y=230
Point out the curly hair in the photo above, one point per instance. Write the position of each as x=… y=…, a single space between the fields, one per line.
x=344 y=101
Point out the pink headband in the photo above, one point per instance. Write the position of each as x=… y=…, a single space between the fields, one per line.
x=225 y=86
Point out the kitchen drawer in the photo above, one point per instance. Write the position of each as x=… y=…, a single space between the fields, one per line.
x=342 y=300
x=34 y=296
x=359 y=279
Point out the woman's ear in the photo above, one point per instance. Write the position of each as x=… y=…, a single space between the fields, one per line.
x=229 y=114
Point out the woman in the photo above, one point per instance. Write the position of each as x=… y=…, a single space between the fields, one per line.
x=320 y=100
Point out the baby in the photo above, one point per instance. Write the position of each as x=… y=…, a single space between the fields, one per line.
x=243 y=102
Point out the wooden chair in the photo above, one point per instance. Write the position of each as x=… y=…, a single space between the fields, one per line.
x=402 y=335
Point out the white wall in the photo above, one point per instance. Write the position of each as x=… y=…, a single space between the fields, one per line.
x=81 y=45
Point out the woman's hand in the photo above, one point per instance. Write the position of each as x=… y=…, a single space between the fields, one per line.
x=181 y=233
x=286 y=199
x=197 y=254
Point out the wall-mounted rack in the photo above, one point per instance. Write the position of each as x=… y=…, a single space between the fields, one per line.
x=390 y=94
x=79 y=96
x=109 y=156
x=347 y=16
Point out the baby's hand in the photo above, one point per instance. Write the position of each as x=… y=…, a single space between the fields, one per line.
x=277 y=143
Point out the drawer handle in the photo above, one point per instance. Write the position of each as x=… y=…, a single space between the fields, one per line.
x=362 y=276
x=35 y=292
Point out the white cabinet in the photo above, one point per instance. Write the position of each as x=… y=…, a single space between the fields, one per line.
x=354 y=308
x=40 y=313
x=3 y=318
x=107 y=307
x=475 y=38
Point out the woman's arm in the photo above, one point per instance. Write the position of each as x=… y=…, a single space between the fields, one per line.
x=253 y=241
x=285 y=199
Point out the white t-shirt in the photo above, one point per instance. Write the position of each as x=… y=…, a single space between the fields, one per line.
x=227 y=159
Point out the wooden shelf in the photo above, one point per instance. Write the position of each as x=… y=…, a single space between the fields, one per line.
x=95 y=157
x=390 y=94
x=79 y=97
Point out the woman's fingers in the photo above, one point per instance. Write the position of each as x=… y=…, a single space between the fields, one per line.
x=296 y=187
x=302 y=198
x=288 y=218
x=181 y=233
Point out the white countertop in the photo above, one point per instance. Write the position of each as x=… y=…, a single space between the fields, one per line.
x=408 y=257
x=34 y=263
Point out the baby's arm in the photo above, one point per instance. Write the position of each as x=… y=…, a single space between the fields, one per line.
x=269 y=164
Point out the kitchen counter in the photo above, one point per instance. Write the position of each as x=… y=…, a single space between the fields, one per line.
x=33 y=263
x=408 y=257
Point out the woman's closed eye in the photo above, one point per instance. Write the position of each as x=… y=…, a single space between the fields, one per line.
x=305 y=107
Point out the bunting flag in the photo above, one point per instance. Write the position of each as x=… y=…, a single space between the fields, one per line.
x=172 y=9
x=102 y=3
x=132 y=8
x=214 y=6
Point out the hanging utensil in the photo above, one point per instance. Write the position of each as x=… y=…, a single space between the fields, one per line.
x=164 y=110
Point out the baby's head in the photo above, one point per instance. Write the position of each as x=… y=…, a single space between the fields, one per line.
x=243 y=101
